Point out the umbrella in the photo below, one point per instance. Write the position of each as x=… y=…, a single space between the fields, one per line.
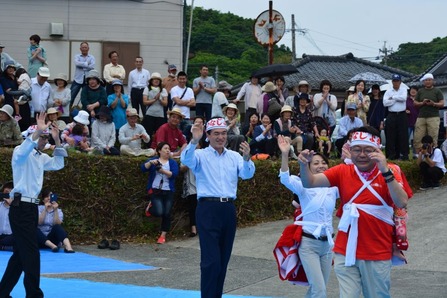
x=369 y=78
x=389 y=85
x=275 y=70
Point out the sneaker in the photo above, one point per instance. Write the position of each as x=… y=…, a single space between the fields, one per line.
x=424 y=186
x=161 y=240
x=436 y=185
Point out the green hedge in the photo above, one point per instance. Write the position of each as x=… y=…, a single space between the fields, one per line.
x=105 y=196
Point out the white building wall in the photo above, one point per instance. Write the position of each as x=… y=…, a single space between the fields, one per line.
x=158 y=26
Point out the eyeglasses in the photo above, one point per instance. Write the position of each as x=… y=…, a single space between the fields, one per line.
x=366 y=150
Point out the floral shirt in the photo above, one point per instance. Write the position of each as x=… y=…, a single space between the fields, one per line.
x=305 y=121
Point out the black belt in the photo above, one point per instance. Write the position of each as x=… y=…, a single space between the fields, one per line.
x=396 y=112
x=138 y=88
x=322 y=238
x=216 y=199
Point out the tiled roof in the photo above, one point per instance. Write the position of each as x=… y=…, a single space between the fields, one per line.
x=338 y=70
x=438 y=69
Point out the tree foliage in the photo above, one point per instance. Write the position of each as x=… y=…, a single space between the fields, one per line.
x=417 y=57
x=226 y=41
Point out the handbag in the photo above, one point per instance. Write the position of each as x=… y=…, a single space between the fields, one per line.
x=274 y=107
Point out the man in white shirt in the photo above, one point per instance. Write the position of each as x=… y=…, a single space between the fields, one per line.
x=183 y=98
x=251 y=92
x=83 y=62
x=220 y=99
x=204 y=88
x=138 y=79
x=396 y=125
x=4 y=57
x=41 y=92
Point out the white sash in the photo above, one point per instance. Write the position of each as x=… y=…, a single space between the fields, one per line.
x=351 y=215
x=319 y=226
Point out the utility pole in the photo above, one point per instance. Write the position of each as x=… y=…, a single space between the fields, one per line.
x=386 y=52
x=189 y=38
x=293 y=40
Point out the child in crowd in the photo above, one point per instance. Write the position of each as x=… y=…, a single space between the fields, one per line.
x=345 y=153
x=24 y=91
x=80 y=139
x=323 y=141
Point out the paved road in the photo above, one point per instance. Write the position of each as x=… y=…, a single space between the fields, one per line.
x=252 y=269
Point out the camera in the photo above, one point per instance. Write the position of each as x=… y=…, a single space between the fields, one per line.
x=53 y=198
x=158 y=165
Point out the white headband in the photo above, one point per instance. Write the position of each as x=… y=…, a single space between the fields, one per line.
x=427 y=76
x=216 y=123
x=365 y=138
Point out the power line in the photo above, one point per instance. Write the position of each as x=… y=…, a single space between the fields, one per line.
x=339 y=38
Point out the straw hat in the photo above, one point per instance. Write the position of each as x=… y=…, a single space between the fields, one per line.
x=286 y=108
x=230 y=106
x=156 y=75
x=269 y=87
x=176 y=111
x=131 y=112
x=52 y=111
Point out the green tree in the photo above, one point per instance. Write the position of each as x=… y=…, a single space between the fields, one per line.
x=226 y=41
x=418 y=57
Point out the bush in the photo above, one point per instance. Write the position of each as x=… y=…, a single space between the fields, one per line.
x=104 y=196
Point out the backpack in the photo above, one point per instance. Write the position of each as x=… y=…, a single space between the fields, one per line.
x=274 y=107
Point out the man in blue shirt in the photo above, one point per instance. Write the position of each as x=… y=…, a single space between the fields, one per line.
x=83 y=62
x=28 y=166
x=217 y=170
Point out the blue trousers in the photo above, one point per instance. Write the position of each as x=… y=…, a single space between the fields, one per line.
x=56 y=235
x=161 y=207
x=75 y=88
x=216 y=224
x=26 y=256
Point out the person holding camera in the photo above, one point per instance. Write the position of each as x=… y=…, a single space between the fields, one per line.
x=431 y=164
x=6 y=237
x=161 y=186
x=28 y=166
x=50 y=232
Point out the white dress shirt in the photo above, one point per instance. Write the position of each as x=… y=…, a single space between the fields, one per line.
x=395 y=100
x=138 y=78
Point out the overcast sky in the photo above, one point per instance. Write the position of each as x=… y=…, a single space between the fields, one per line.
x=338 y=27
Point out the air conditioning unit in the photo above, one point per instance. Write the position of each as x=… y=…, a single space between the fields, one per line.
x=56 y=29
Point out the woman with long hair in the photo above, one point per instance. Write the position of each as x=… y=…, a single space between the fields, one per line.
x=361 y=100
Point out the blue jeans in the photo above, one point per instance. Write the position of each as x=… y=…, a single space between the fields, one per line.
x=75 y=88
x=316 y=257
x=161 y=207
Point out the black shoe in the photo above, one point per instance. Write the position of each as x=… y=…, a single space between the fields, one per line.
x=436 y=185
x=114 y=245
x=69 y=251
x=192 y=234
x=425 y=186
x=55 y=249
x=103 y=244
